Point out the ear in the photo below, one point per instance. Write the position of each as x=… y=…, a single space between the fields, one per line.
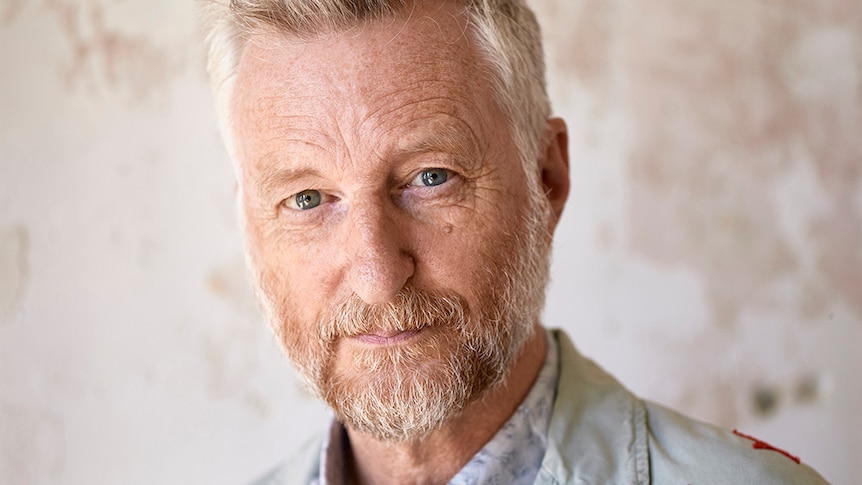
x=554 y=168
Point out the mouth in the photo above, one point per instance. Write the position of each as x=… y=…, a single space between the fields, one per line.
x=387 y=338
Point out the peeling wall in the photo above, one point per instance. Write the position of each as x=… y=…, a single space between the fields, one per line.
x=710 y=255
x=717 y=159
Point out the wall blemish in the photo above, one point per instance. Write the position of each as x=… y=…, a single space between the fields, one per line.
x=14 y=269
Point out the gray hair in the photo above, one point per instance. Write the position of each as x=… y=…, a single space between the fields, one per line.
x=506 y=32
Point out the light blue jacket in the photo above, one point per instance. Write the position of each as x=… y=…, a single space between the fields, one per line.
x=602 y=434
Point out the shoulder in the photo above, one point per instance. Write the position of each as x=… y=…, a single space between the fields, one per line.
x=300 y=468
x=681 y=448
x=629 y=440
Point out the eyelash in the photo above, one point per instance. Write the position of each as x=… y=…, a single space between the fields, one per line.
x=417 y=179
x=291 y=202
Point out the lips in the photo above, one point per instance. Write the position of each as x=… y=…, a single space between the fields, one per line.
x=384 y=338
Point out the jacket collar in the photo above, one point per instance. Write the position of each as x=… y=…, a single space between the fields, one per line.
x=598 y=431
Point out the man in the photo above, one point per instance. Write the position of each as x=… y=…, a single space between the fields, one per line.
x=399 y=183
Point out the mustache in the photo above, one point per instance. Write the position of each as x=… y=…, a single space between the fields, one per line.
x=410 y=310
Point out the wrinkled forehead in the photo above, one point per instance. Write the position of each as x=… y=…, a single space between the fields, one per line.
x=430 y=41
x=427 y=55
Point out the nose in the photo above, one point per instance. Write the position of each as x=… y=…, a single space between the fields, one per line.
x=379 y=254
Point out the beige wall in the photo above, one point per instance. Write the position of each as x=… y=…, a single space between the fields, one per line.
x=710 y=256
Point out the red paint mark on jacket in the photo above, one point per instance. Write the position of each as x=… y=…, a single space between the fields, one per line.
x=762 y=445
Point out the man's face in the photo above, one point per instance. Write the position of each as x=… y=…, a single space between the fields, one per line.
x=395 y=243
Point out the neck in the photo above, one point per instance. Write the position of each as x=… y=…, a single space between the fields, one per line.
x=438 y=457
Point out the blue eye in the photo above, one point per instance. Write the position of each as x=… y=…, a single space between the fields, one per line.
x=431 y=177
x=307 y=199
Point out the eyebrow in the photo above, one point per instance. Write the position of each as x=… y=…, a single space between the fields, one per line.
x=463 y=145
x=273 y=178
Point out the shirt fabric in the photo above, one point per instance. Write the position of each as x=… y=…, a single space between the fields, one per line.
x=599 y=433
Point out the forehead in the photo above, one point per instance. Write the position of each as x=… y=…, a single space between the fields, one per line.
x=387 y=73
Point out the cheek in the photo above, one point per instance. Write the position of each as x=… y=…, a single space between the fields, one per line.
x=461 y=257
x=292 y=271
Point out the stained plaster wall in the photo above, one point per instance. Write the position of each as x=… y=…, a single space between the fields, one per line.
x=710 y=255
